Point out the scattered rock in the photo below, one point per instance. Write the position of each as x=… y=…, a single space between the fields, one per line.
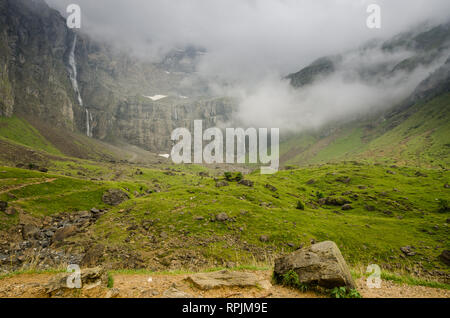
x=270 y=187
x=264 y=238
x=390 y=172
x=369 y=208
x=408 y=250
x=114 y=197
x=221 y=184
x=247 y=183
x=347 y=207
x=321 y=264
x=93 y=256
x=10 y=211
x=225 y=278
x=337 y=201
x=174 y=292
x=29 y=231
x=420 y=174
x=445 y=257
x=199 y=218
x=446 y=186
x=222 y=217
x=345 y=180
x=3 y=206
x=63 y=233
x=112 y=293
x=311 y=181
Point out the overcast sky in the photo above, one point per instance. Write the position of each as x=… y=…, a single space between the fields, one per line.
x=249 y=35
x=256 y=42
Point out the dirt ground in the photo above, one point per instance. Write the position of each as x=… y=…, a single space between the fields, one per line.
x=156 y=286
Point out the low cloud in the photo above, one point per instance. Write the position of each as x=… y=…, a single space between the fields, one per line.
x=252 y=44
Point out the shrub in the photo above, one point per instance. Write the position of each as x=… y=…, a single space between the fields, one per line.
x=343 y=292
x=319 y=195
x=444 y=205
x=300 y=205
x=291 y=279
x=239 y=176
x=110 y=281
x=228 y=176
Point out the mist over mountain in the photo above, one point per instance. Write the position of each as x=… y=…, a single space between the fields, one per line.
x=248 y=47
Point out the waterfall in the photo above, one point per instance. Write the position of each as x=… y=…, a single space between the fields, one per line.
x=73 y=70
x=88 y=123
x=73 y=78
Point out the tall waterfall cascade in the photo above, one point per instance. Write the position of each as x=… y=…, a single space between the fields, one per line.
x=73 y=78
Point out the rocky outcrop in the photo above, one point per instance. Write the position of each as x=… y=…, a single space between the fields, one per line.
x=207 y=281
x=33 y=75
x=320 y=264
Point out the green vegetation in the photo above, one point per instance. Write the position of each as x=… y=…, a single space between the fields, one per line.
x=110 y=283
x=290 y=279
x=417 y=136
x=21 y=132
x=414 y=281
x=342 y=292
x=444 y=205
x=174 y=208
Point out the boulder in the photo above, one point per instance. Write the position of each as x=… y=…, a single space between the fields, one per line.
x=408 y=250
x=246 y=183
x=270 y=187
x=10 y=211
x=64 y=232
x=336 y=201
x=347 y=207
x=445 y=257
x=225 y=278
x=221 y=184
x=3 y=206
x=222 y=217
x=321 y=264
x=29 y=231
x=114 y=197
x=90 y=278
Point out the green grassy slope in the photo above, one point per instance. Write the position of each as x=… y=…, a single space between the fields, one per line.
x=389 y=211
x=418 y=136
x=19 y=131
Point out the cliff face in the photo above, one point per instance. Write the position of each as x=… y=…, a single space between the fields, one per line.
x=33 y=74
x=67 y=79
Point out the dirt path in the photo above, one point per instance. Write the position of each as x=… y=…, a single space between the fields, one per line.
x=26 y=185
x=156 y=286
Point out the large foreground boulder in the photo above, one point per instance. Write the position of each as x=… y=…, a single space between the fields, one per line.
x=320 y=264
